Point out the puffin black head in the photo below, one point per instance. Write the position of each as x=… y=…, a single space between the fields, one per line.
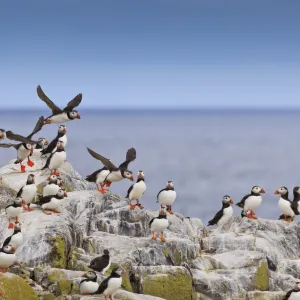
x=127 y=174
x=8 y=249
x=17 y=227
x=60 y=145
x=73 y=115
x=2 y=134
x=117 y=272
x=62 y=129
x=140 y=175
x=61 y=194
x=297 y=286
x=42 y=142
x=18 y=201
x=296 y=189
x=106 y=252
x=281 y=191
x=227 y=200
x=162 y=213
x=257 y=190
x=59 y=181
x=52 y=179
x=28 y=147
x=170 y=185
x=90 y=275
x=30 y=179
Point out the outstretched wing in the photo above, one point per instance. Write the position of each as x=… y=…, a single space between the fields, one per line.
x=37 y=128
x=73 y=103
x=105 y=161
x=9 y=145
x=19 y=138
x=55 y=109
x=130 y=156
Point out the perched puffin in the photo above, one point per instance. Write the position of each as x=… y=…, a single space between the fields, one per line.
x=159 y=224
x=251 y=201
x=293 y=294
x=89 y=285
x=102 y=263
x=224 y=214
x=285 y=205
x=61 y=136
x=56 y=159
x=40 y=146
x=25 y=149
x=28 y=192
x=13 y=211
x=167 y=196
x=7 y=257
x=2 y=134
x=60 y=115
x=137 y=190
x=115 y=173
x=98 y=177
x=16 y=239
x=52 y=202
x=111 y=284
x=296 y=200
x=53 y=186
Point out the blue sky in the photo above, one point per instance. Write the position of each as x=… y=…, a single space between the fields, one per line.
x=141 y=54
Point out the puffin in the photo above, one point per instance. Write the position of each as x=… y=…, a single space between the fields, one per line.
x=2 y=134
x=224 y=214
x=7 y=257
x=167 y=196
x=98 y=177
x=159 y=224
x=53 y=186
x=60 y=115
x=102 y=263
x=136 y=191
x=296 y=200
x=28 y=192
x=111 y=284
x=25 y=148
x=16 y=239
x=251 y=201
x=293 y=294
x=42 y=142
x=56 y=159
x=288 y=208
x=89 y=285
x=52 y=202
x=61 y=136
x=13 y=211
x=115 y=173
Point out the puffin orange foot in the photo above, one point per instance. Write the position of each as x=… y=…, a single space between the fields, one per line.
x=170 y=212
x=162 y=239
x=154 y=237
x=47 y=212
x=56 y=211
x=10 y=225
x=30 y=209
x=140 y=206
x=102 y=191
x=30 y=163
x=110 y=298
x=107 y=183
x=1 y=293
x=25 y=207
x=23 y=169
x=47 y=122
x=3 y=270
x=132 y=207
x=57 y=173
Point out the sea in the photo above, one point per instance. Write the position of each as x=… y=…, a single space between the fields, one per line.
x=206 y=153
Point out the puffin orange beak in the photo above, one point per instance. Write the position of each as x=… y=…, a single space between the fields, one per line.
x=65 y=194
x=13 y=249
x=46 y=143
x=78 y=116
x=231 y=201
x=48 y=178
x=84 y=275
x=262 y=191
x=132 y=178
x=276 y=192
x=23 y=202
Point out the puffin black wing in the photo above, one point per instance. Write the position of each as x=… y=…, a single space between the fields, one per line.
x=93 y=176
x=130 y=156
x=242 y=202
x=159 y=193
x=73 y=103
x=16 y=146
x=48 y=161
x=55 y=109
x=129 y=190
x=151 y=222
x=294 y=206
x=103 y=286
x=19 y=138
x=99 y=263
x=44 y=200
x=20 y=192
x=216 y=218
x=6 y=242
x=105 y=161
x=37 y=128
x=51 y=146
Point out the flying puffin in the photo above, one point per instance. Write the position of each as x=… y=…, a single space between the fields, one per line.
x=26 y=147
x=28 y=192
x=52 y=187
x=61 y=136
x=137 y=190
x=251 y=201
x=285 y=205
x=224 y=214
x=102 y=263
x=60 y=115
x=52 y=202
x=42 y=142
x=89 y=285
x=56 y=159
x=98 y=177
x=111 y=284
x=2 y=134
x=159 y=224
x=167 y=196
x=16 y=239
x=13 y=211
x=115 y=173
x=7 y=257
x=293 y=294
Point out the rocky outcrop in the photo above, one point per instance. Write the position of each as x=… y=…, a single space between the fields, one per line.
x=233 y=262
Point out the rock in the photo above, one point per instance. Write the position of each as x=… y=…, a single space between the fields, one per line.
x=7 y=194
x=15 y=288
x=265 y=295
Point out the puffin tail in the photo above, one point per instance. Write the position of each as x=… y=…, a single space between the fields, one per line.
x=239 y=205
x=89 y=178
x=17 y=161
